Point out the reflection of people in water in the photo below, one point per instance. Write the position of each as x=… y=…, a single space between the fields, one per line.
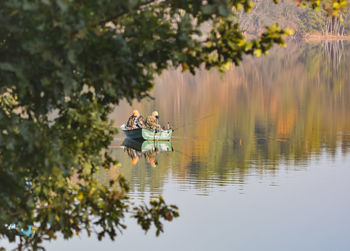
x=150 y=157
x=135 y=160
x=134 y=155
x=147 y=149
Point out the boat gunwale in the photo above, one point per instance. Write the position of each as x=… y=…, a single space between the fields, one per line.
x=140 y=130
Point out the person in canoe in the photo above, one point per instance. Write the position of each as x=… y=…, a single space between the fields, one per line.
x=152 y=121
x=135 y=121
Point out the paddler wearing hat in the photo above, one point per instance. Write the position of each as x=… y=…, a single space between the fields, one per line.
x=152 y=121
x=135 y=120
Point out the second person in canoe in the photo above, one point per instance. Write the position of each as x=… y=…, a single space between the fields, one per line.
x=152 y=121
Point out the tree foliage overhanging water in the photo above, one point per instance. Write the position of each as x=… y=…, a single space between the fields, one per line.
x=62 y=65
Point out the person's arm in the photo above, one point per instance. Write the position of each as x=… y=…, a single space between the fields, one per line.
x=142 y=122
x=130 y=124
x=158 y=125
x=147 y=123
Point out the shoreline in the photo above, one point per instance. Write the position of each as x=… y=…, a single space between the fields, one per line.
x=320 y=38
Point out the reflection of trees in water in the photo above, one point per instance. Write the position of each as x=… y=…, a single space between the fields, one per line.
x=334 y=51
x=286 y=107
x=327 y=63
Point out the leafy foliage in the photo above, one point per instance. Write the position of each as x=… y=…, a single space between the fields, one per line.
x=63 y=64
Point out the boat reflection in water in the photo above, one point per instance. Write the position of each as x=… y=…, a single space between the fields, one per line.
x=137 y=149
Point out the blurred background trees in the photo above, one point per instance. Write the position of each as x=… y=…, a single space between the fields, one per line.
x=289 y=13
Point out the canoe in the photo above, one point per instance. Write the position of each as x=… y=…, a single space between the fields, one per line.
x=148 y=146
x=146 y=134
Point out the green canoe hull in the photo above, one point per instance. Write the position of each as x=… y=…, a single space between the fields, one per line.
x=146 y=134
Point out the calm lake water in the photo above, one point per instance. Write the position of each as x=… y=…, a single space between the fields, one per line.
x=259 y=160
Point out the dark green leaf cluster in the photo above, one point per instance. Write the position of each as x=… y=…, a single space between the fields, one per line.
x=158 y=209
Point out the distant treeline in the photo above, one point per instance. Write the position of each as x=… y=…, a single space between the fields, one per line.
x=288 y=14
